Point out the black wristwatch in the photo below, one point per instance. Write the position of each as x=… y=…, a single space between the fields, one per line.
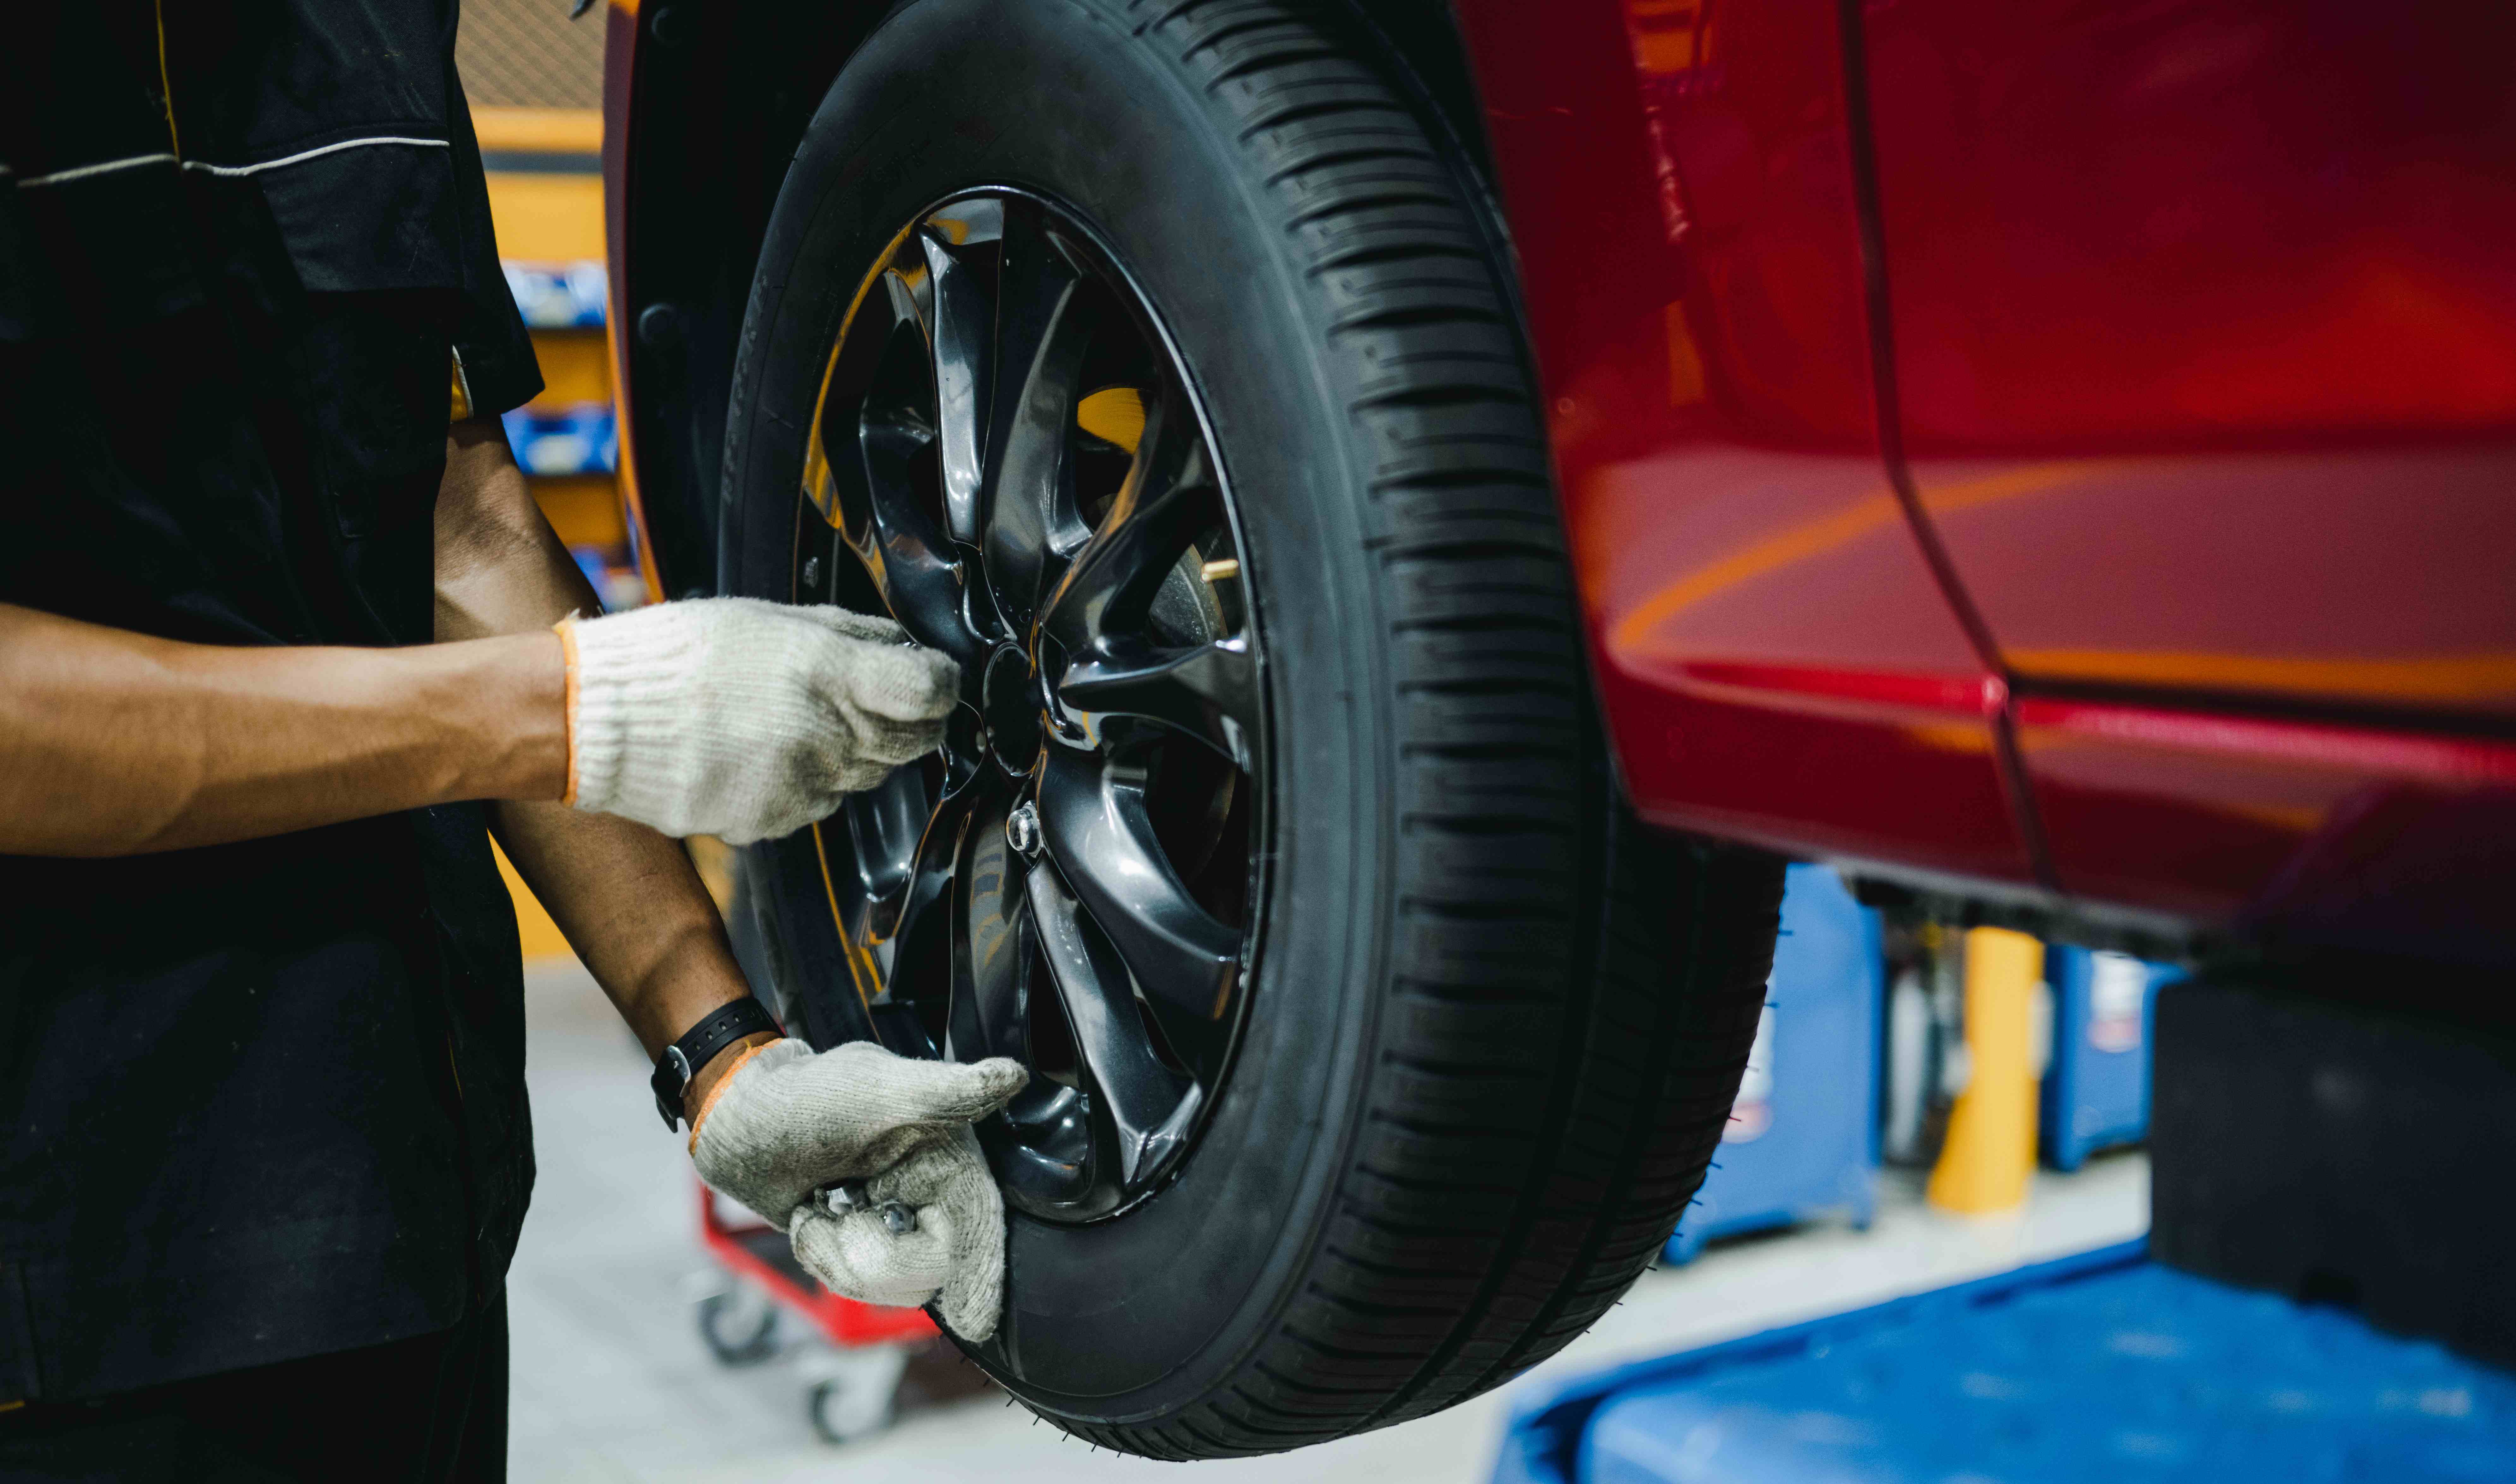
x=718 y=1029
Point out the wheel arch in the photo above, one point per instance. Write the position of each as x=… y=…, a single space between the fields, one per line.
x=704 y=103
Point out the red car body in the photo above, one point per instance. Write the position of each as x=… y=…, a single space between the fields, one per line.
x=2064 y=454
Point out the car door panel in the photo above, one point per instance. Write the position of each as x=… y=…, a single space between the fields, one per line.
x=2231 y=222
x=2204 y=342
x=1775 y=658
x=2204 y=330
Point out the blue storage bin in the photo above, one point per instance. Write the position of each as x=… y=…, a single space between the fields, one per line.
x=2093 y=1370
x=558 y=296
x=2096 y=1084
x=580 y=440
x=1803 y=1138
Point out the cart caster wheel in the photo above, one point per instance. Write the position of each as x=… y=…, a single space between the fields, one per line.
x=739 y=1326
x=843 y=1411
x=855 y=1394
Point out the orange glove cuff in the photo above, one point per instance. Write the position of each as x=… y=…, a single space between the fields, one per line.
x=566 y=629
x=717 y=1091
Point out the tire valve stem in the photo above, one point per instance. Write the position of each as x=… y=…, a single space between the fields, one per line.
x=850 y=1197
x=1022 y=830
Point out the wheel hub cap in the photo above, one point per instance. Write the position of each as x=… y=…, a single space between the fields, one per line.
x=1011 y=702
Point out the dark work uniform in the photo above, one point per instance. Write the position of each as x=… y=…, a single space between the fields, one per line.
x=259 y=1102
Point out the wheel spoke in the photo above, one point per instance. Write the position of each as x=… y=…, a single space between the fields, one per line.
x=1040 y=1146
x=1043 y=327
x=1157 y=512
x=1093 y=823
x=960 y=323
x=1209 y=691
x=866 y=473
x=1140 y=1094
x=897 y=915
x=991 y=956
x=886 y=821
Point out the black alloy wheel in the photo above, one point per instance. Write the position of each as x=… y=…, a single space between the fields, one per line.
x=1010 y=458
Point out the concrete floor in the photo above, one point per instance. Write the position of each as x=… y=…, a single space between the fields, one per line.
x=611 y=1382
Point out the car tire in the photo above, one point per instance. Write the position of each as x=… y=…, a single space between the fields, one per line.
x=1492 y=1028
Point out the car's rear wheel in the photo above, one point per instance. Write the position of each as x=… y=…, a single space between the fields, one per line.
x=1150 y=360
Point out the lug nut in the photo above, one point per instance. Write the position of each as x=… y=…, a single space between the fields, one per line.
x=851 y=1198
x=1021 y=831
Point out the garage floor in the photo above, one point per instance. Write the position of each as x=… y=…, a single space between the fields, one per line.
x=612 y=1382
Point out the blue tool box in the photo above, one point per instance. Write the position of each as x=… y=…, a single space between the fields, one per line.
x=2104 y=1367
x=2096 y=1086
x=1803 y=1137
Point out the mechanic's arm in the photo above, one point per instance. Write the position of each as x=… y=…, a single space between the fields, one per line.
x=730 y=716
x=625 y=895
x=772 y=1122
x=114 y=743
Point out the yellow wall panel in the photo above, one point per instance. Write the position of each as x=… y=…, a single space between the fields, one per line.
x=539 y=131
x=547 y=218
x=576 y=368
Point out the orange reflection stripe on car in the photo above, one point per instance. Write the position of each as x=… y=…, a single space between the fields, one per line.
x=1772 y=553
x=2419 y=678
x=1950 y=737
x=1825 y=534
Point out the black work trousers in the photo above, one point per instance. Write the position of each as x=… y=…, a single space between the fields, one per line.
x=425 y=1409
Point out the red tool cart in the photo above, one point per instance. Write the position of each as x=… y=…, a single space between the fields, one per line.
x=854 y=1384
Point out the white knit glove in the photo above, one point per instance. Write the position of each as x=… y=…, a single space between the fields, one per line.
x=742 y=719
x=788 y=1122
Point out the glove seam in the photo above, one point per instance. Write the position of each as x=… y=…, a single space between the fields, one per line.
x=709 y=1102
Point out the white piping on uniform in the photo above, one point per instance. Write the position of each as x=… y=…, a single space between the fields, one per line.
x=82 y=172
x=308 y=154
x=103 y=167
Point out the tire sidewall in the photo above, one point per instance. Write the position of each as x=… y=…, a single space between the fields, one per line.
x=1136 y=1316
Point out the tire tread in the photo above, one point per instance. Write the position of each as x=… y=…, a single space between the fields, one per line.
x=1549 y=1086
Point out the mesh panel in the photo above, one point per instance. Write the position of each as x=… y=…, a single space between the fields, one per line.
x=526 y=53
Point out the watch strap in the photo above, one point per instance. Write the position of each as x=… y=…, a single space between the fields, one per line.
x=697 y=1046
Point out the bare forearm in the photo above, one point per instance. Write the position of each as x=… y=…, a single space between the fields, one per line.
x=627 y=897
x=114 y=743
x=633 y=908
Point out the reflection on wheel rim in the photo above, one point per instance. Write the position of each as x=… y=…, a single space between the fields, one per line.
x=1008 y=459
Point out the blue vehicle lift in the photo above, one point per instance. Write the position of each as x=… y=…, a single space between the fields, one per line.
x=2104 y=1367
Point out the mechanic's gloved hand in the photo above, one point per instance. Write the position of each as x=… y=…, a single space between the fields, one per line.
x=742 y=719
x=954 y=1256
x=788 y=1122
